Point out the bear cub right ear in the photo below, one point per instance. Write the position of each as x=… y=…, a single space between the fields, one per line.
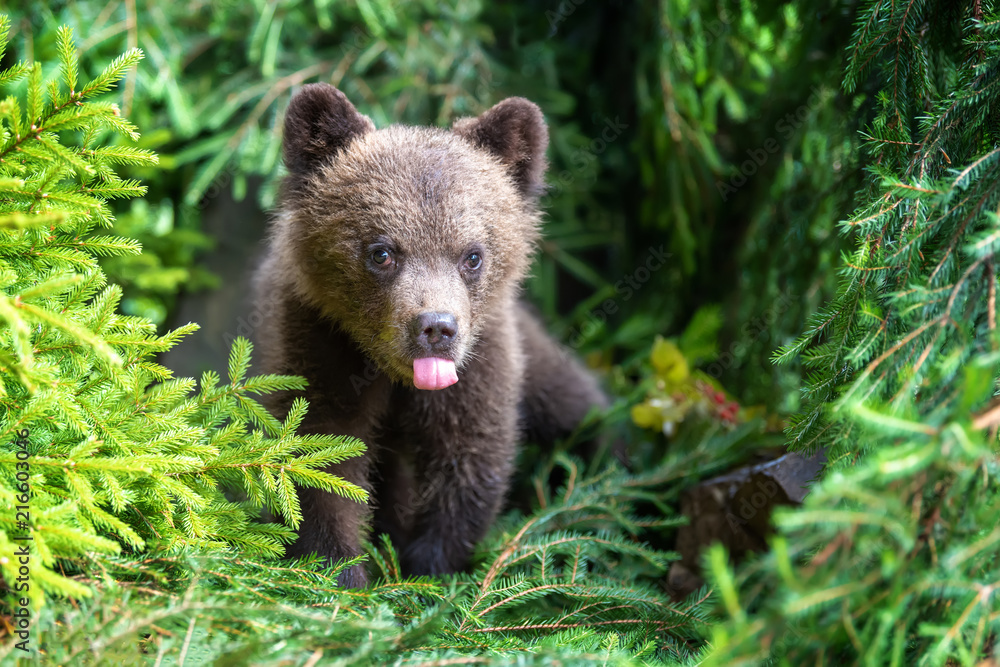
x=320 y=122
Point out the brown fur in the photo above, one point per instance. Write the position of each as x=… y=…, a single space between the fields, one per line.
x=438 y=462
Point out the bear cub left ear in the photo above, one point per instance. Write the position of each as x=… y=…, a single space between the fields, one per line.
x=514 y=131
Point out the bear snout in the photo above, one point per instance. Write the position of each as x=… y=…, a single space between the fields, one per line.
x=434 y=332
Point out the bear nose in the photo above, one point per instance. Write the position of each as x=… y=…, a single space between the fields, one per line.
x=434 y=332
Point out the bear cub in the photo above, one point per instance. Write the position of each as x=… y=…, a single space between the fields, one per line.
x=392 y=276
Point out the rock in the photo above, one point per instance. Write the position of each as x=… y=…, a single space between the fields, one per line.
x=735 y=509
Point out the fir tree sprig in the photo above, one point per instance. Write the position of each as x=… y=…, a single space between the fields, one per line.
x=572 y=584
x=121 y=456
x=917 y=272
x=893 y=558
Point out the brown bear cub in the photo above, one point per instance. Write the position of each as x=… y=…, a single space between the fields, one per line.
x=392 y=277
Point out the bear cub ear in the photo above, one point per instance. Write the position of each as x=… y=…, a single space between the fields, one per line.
x=320 y=121
x=514 y=131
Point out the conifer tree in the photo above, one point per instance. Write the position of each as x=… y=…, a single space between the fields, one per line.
x=569 y=584
x=102 y=450
x=895 y=558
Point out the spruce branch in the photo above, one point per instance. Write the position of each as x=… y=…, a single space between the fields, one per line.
x=123 y=457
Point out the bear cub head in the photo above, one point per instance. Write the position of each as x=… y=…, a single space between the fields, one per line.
x=413 y=240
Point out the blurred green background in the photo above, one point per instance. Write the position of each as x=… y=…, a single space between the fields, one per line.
x=703 y=130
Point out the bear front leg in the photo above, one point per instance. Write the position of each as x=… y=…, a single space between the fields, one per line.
x=463 y=497
x=333 y=526
x=464 y=464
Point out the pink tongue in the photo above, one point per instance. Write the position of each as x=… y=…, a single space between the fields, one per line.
x=434 y=373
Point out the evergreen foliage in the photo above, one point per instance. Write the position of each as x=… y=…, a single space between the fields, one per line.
x=742 y=146
x=895 y=557
x=890 y=562
x=920 y=284
x=572 y=583
x=145 y=489
x=116 y=454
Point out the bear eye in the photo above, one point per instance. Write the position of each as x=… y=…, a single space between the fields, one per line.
x=381 y=256
x=473 y=261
